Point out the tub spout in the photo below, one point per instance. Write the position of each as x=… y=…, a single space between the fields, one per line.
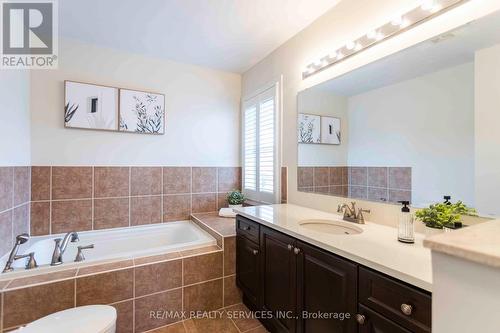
x=60 y=247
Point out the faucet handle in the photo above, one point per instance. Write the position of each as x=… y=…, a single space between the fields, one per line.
x=79 y=255
x=31 y=262
x=56 y=255
x=360 y=217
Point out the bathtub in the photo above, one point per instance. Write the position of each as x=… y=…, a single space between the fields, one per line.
x=113 y=244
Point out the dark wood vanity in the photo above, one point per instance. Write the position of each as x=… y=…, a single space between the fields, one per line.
x=284 y=276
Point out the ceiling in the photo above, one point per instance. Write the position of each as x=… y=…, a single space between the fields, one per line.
x=231 y=35
x=447 y=50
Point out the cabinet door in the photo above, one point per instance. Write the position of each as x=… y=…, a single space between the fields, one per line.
x=248 y=269
x=279 y=281
x=329 y=287
x=372 y=322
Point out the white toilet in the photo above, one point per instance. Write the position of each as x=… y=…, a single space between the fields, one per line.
x=84 y=319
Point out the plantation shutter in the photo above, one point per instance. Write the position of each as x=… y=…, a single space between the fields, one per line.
x=260 y=137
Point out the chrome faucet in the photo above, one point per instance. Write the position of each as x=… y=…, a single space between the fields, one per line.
x=31 y=263
x=350 y=214
x=61 y=245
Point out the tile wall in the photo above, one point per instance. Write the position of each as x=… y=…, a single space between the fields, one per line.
x=384 y=184
x=83 y=198
x=14 y=204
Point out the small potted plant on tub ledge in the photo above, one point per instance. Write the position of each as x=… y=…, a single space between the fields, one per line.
x=446 y=215
x=235 y=199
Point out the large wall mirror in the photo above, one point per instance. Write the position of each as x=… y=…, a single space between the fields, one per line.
x=412 y=126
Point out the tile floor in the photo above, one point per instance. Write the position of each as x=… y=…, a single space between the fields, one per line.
x=227 y=322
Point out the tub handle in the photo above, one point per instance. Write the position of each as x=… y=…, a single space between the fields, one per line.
x=79 y=254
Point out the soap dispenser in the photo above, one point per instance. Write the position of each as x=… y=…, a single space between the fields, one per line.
x=406 y=233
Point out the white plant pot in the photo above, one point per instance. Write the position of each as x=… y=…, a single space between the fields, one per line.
x=235 y=206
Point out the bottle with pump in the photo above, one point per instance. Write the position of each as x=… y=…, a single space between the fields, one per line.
x=406 y=232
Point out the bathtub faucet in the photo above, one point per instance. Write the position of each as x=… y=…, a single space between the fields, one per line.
x=61 y=245
x=13 y=256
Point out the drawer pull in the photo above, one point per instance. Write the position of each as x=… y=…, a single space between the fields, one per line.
x=360 y=319
x=290 y=247
x=296 y=250
x=255 y=252
x=406 y=309
x=246 y=228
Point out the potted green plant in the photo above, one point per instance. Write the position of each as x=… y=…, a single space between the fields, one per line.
x=235 y=199
x=441 y=215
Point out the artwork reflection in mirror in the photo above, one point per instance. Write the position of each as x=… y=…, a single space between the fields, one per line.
x=409 y=124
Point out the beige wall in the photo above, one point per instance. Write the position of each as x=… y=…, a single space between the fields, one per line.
x=395 y=126
x=348 y=20
x=202 y=111
x=487 y=135
x=14 y=118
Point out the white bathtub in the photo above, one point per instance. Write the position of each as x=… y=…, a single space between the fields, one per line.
x=115 y=244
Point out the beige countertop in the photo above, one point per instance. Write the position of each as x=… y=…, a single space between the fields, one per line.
x=376 y=247
x=479 y=243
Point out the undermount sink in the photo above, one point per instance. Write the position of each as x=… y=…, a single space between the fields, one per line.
x=331 y=227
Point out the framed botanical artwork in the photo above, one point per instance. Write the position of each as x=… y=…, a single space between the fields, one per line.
x=330 y=130
x=90 y=106
x=309 y=128
x=142 y=112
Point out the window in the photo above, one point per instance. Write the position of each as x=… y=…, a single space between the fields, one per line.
x=260 y=147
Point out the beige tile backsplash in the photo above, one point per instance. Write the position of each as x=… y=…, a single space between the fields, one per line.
x=383 y=184
x=91 y=198
x=14 y=204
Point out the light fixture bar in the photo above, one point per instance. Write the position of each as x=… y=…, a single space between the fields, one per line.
x=425 y=11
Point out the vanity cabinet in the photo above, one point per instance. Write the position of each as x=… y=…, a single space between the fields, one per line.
x=327 y=283
x=401 y=303
x=248 y=268
x=371 y=322
x=287 y=277
x=279 y=279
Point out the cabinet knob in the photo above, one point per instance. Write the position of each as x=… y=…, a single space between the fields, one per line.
x=255 y=252
x=360 y=319
x=406 y=309
x=290 y=247
x=245 y=227
x=296 y=250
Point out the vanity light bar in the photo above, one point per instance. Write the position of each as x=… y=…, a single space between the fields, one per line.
x=427 y=10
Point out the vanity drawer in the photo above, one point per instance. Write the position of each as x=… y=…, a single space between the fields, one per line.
x=407 y=306
x=247 y=229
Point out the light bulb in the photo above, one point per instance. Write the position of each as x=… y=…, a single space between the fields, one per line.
x=358 y=47
x=350 y=45
x=372 y=34
x=380 y=36
x=397 y=21
x=340 y=55
x=427 y=5
x=309 y=69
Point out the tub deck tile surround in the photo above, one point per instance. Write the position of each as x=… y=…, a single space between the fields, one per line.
x=224 y=230
x=107 y=267
x=24 y=305
x=111 y=197
x=190 y=280
x=42 y=279
x=125 y=316
x=223 y=226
